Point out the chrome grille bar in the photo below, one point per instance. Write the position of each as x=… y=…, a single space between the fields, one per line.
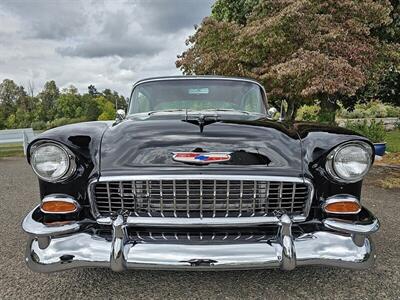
x=214 y=198
x=174 y=195
x=161 y=198
x=228 y=186
x=201 y=196
x=109 y=196
x=293 y=197
x=187 y=198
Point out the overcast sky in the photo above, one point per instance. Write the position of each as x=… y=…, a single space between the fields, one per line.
x=108 y=43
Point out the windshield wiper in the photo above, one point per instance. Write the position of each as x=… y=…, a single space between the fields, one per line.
x=228 y=109
x=166 y=110
x=200 y=110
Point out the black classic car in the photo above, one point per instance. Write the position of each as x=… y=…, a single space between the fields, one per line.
x=200 y=174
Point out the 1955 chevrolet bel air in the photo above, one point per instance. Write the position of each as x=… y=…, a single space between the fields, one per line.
x=199 y=175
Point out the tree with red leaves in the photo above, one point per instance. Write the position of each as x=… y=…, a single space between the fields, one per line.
x=301 y=50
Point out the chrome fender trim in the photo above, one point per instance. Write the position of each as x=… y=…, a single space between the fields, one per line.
x=351 y=226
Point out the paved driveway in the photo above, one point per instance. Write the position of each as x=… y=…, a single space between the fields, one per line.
x=19 y=193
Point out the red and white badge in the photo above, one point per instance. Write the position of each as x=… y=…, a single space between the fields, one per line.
x=201 y=157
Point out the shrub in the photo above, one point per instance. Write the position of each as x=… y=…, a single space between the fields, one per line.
x=393 y=111
x=374 y=131
x=64 y=121
x=372 y=109
x=38 y=125
x=308 y=113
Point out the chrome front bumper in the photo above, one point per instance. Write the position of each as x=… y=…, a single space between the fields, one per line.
x=57 y=248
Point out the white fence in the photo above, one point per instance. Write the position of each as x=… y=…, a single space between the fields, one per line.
x=23 y=135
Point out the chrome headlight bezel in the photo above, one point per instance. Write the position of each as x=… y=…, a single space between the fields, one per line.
x=71 y=168
x=330 y=161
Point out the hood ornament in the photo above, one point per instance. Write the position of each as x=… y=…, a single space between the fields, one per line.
x=201 y=158
x=201 y=120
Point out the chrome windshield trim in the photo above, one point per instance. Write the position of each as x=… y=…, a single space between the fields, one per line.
x=194 y=222
x=170 y=78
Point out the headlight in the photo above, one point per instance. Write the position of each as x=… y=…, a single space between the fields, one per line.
x=52 y=162
x=349 y=162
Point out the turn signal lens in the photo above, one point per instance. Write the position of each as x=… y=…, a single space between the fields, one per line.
x=343 y=207
x=58 y=207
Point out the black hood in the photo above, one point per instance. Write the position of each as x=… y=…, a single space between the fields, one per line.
x=260 y=146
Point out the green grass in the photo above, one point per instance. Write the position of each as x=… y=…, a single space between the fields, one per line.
x=393 y=141
x=7 y=150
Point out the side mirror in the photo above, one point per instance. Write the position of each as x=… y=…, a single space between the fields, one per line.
x=271 y=113
x=120 y=115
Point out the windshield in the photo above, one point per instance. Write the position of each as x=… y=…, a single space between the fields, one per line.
x=196 y=95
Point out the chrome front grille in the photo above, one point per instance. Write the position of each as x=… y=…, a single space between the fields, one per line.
x=202 y=197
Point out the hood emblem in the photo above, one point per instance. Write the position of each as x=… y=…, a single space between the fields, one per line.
x=201 y=158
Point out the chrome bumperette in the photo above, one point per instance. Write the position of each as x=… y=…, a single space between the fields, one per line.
x=86 y=247
x=167 y=200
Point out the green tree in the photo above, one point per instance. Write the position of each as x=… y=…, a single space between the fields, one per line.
x=390 y=32
x=107 y=109
x=302 y=50
x=10 y=95
x=237 y=11
x=91 y=108
x=92 y=90
x=69 y=104
x=114 y=98
x=385 y=86
x=13 y=99
x=48 y=98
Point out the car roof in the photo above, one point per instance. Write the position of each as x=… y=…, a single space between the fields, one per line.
x=185 y=77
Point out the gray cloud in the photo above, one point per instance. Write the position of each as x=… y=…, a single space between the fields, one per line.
x=109 y=44
x=172 y=15
x=108 y=47
x=115 y=35
x=49 y=19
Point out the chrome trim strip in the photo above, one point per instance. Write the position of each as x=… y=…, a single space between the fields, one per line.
x=203 y=176
x=199 y=77
x=204 y=222
x=163 y=221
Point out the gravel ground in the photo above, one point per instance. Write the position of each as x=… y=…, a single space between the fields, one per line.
x=19 y=194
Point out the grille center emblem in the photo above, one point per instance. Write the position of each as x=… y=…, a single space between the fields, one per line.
x=201 y=158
